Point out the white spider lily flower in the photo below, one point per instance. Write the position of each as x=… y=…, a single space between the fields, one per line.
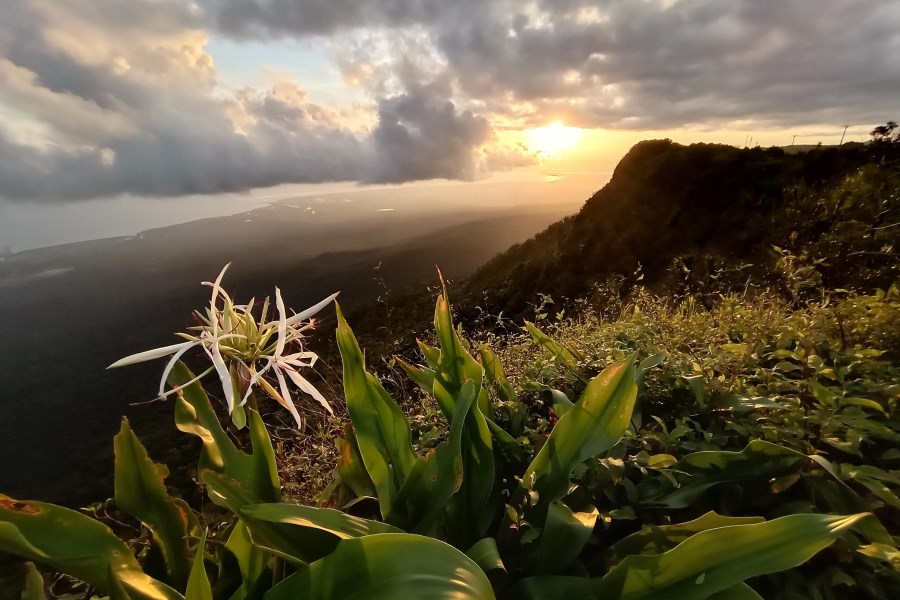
x=282 y=364
x=230 y=335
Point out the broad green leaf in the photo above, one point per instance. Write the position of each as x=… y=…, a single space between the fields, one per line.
x=251 y=559
x=34 y=584
x=382 y=431
x=884 y=552
x=717 y=559
x=486 y=555
x=132 y=584
x=195 y=415
x=843 y=499
x=65 y=540
x=198 y=587
x=335 y=522
x=700 y=471
x=140 y=491
x=564 y=354
x=432 y=355
x=555 y=587
x=493 y=370
x=656 y=539
x=299 y=547
x=466 y=515
x=741 y=591
x=262 y=477
x=565 y=534
x=388 y=567
x=651 y=361
x=876 y=481
x=350 y=467
x=593 y=425
x=561 y=402
x=423 y=377
x=437 y=476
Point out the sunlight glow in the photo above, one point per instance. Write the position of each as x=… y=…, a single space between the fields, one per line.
x=549 y=141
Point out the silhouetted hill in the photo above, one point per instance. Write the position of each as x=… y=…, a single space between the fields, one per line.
x=703 y=205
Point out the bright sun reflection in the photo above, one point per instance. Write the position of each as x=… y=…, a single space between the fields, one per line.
x=552 y=139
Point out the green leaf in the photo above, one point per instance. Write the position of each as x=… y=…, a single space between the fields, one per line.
x=140 y=492
x=350 y=467
x=198 y=587
x=717 y=559
x=651 y=361
x=34 y=584
x=281 y=539
x=65 y=540
x=335 y=522
x=195 y=415
x=382 y=431
x=493 y=370
x=700 y=471
x=262 y=476
x=565 y=535
x=132 y=584
x=656 y=539
x=432 y=355
x=251 y=559
x=561 y=402
x=467 y=518
x=388 y=567
x=593 y=425
x=436 y=477
x=423 y=377
x=741 y=591
x=555 y=587
x=564 y=354
x=486 y=555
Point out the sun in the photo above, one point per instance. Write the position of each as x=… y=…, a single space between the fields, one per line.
x=549 y=141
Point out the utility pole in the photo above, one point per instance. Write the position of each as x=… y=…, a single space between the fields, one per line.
x=843 y=134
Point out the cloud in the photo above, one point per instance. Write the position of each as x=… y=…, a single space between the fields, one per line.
x=118 y=106
x=103 y=97
x=630 y=64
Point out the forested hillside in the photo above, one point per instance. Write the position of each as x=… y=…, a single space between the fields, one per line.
x=674 y=216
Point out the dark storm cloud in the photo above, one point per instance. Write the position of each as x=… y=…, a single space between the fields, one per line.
x=126 y=107
x=634 y=64
x=419 y=136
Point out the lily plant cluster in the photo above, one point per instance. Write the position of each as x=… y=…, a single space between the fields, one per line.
x=243 y=350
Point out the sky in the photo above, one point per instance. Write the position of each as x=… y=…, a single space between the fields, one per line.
x=180 y=100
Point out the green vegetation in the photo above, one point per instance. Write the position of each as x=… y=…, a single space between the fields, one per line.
x=605 y=497
x=661 y=428
x=705 y=218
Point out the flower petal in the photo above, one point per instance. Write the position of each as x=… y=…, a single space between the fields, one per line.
x=309 y=388
x=224 y=376
x=149 y=355
x=254 y=377
x=286 y=396
x=216 y=288
x=171 y=365
x=187 y=383
x=312 y=310
x=282 y=324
